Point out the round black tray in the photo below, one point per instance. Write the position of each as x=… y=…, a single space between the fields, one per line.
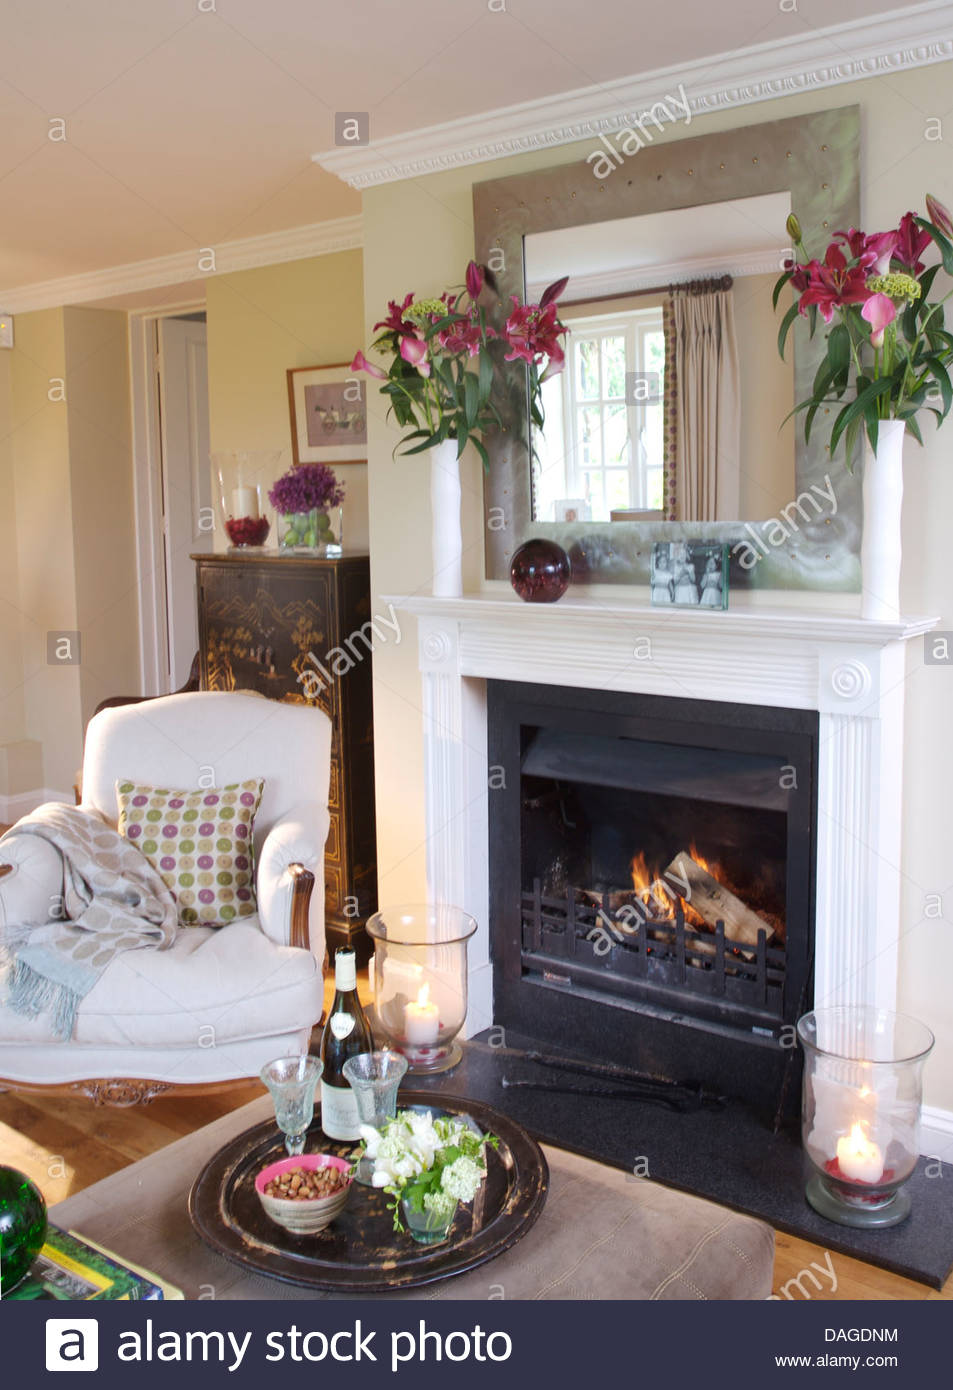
x=360 y=1252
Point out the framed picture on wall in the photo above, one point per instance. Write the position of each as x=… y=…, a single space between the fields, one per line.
x=328 y=414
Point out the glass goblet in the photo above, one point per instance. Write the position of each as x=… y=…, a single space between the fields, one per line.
x=374 y=1078
x=292 y=1082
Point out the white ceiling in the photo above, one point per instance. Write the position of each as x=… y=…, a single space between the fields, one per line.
x=187 y=126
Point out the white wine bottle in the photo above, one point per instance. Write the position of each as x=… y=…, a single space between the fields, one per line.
x=346 y=1034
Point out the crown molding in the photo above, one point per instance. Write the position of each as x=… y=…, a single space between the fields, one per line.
x=623 y=281
x=295 y=244
x=863 y=48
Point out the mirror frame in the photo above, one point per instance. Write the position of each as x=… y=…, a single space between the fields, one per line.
x=817 y=158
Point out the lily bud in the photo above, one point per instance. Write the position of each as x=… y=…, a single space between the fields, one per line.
x=939 y=215
x=474 y=280
x=793 y=228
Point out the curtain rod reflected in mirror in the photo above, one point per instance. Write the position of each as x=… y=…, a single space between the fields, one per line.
x=737 y=182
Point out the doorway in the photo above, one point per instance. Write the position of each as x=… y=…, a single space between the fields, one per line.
x=175 y=517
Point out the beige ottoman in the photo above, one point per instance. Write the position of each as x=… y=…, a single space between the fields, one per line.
x=602 y=1235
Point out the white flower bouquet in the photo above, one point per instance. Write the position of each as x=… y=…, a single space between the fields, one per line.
x=427 y=1163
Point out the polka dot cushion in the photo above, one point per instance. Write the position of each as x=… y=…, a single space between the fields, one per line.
x=201 y=844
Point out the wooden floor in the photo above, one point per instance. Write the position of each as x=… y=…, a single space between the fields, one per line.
x=66 y=1144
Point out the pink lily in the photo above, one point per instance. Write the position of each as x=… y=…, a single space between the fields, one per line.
x=553 y=291
x=879 y=311
x=832 y=283
x=475 y=277
x=939 y=215
x=395 y=317
x=361 y=364
x=880 y=247
x=911 y=243
x=414 y=351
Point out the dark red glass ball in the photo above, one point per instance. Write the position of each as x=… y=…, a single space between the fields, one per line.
x=540 y=571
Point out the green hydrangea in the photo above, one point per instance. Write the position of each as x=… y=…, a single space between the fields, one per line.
x=462 y=1178
x=896 y=285
x=440 y=1205
x=422 y=310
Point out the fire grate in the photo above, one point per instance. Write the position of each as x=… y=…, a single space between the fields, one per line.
x=571 y=940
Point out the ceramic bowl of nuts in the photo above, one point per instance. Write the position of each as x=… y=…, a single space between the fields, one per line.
x=304 y=1194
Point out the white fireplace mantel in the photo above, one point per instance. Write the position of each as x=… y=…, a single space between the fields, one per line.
x=850 y=670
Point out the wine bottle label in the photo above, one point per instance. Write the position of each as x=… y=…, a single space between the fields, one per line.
x=339 y=1117
x=342 y=1024
x=345 y=970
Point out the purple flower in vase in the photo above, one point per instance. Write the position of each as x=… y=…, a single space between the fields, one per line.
x=307 y=487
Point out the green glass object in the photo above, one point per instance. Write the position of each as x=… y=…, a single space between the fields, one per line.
x=22 y=1227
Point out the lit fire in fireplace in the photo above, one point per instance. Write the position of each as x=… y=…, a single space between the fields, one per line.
x=705 y=893
x=659 y=894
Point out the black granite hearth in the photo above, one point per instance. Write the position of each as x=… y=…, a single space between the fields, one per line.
x=730 y=1156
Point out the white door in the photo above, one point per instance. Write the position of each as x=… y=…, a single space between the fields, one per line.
x=186 y=483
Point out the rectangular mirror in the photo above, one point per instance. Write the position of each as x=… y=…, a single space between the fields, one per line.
x=602 y=456
x=667 y=250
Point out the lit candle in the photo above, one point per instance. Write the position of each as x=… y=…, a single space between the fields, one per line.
x=858 y=1157
x=421 y=1020
x=245 y=503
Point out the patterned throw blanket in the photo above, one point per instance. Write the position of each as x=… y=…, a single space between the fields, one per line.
x=111 y=899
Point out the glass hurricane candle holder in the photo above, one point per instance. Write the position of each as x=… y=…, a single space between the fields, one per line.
x=242 y=479
x=863 y=1089
x=420 y=981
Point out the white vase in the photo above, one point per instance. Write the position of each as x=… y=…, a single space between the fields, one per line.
x=445 y=506
x=880 y=551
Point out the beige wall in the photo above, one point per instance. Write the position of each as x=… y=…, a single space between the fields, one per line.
x=260 y=322
x=11 y=656
x=101 y=488
x=418 y=236
x=45 y=541
x=71 y=561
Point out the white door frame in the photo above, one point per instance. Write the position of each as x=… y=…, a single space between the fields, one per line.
x=147 y=478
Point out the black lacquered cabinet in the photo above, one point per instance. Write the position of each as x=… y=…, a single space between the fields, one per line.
x=278 y=624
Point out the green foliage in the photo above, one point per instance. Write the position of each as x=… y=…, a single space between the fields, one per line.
x=870 y=377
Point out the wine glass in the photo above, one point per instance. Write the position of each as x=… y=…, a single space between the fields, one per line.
x=292 y=1082
x=374 y=1078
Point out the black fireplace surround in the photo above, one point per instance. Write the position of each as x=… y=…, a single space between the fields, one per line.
x=583 y=783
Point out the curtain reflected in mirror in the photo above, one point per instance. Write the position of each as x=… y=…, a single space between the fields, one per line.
x=671 y=399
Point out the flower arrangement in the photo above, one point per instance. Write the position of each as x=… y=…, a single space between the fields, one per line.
x=428 y=1163
x=890 y=335
x=448 y=353
x=305 y=488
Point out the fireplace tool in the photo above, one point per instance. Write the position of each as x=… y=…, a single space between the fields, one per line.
x=683 y=1097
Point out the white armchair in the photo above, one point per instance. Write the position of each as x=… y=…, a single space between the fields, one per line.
x=221 y=1001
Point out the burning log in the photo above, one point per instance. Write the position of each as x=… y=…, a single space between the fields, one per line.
x=714 y=902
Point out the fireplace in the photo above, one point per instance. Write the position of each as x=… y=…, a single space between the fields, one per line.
x=652 y=866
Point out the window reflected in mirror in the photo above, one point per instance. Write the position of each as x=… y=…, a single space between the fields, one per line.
x=673 y=394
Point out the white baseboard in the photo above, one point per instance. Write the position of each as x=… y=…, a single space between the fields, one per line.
x=936 y=1133
x=22 y=803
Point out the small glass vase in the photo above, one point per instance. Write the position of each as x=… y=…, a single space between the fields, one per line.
x=307 y=533
x=425 y=1227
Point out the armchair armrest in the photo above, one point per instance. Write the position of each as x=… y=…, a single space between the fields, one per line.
x=31 y=881
x=290 y=864
x=302 y=888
